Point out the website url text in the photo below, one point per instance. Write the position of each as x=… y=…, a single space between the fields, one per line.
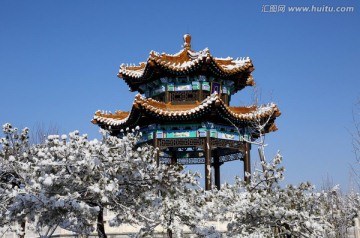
x=313 y=8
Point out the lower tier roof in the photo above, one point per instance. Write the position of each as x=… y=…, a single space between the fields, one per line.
x=146 y=111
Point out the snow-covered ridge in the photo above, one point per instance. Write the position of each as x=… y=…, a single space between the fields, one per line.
x=168 y=110
x=184 y=60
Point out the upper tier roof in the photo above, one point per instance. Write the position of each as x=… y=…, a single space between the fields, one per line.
x=187 y=63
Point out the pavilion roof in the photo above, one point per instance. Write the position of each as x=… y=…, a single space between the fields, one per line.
x=145 y=110
x=188 y=62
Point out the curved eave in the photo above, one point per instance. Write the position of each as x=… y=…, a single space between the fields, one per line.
x=148 y=108
x=187 y=62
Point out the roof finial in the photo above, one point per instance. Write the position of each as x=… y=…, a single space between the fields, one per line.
x=187 y=40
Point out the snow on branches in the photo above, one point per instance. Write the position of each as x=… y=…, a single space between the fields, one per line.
x=68 y=181
x=263 y=207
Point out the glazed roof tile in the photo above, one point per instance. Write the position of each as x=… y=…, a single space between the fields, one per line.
x=170 y=111
x=185 y=62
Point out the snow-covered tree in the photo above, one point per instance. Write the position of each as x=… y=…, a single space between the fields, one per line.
x=340 y=209
x=151 y=194
x=13 y=146
x=262 y=207
x=356 y=142
x=45 y=196
x=69 y=181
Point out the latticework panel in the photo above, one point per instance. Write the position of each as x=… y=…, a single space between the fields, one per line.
x=201 y=160
x=231 y=157
x=227 y=144
x=195 y=160
x=180 y=142
x=184 y=96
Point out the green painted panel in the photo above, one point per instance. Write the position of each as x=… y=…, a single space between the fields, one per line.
x=206 y=86
x=213 y=133
x=181 y=134
x=170 y=87
x=149 y=136
x=196 y=85
x=159 y=134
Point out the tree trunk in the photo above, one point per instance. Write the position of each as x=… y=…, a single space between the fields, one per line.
x=169 y=233
x=100 y=224
x=23 y=224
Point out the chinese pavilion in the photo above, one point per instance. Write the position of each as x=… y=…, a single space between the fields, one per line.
x=183 y=109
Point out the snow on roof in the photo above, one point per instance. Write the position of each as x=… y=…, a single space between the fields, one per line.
x=185 y=60
x=170 y=111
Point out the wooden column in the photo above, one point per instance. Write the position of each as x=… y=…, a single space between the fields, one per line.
x=217 y=169
x=166 y=95
x=207 y=149
x=247 y=164
x=200 y=93
x=157 y=156
x=173 y=156
x=226 y=97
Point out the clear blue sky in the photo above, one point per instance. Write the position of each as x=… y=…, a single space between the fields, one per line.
x=59 y=60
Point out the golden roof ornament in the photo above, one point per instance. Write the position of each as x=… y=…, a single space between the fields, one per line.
x=187 y=40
